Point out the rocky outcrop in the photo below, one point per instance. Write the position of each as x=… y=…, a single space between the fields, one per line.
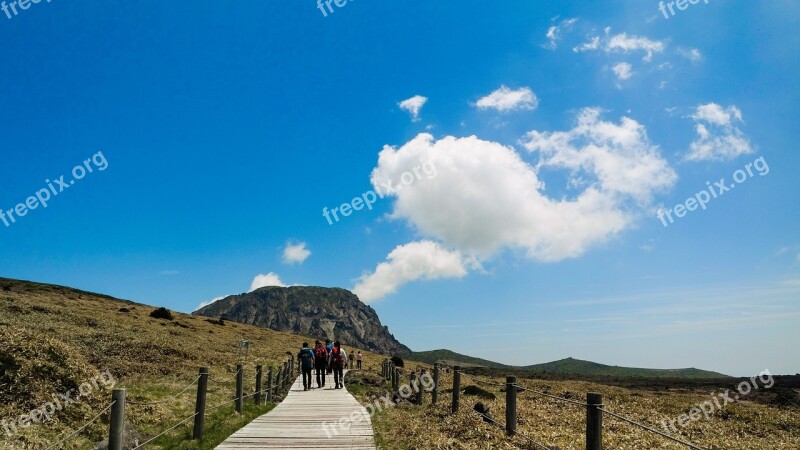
x=331 y=313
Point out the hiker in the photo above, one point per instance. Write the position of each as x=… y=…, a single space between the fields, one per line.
x=352 y=364
x=306 y=358
x=336 y=360
x=329 y=348
x=320 y=362
x=358 y=359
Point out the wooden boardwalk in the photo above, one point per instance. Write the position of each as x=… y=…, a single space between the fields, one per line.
x=298 y=421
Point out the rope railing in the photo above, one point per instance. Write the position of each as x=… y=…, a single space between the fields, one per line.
x=593 y=405
x=182 y=391
x=225 y=380
x=277 y=381
x=502 y=386
x=165 y=431
x=652 y=430
x=521 y=388
x=83 y=427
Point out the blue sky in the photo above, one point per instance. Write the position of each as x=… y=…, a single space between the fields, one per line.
x=557 y=131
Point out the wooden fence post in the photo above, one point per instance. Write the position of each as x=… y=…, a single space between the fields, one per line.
x=594 y=421
x=116 y=432
x=116 y=436
x=269 y=385
x=200 y=404
x=259 y=379
x=511 y=406
x=420 y=390
x=239 y=388
x=435 y=393
x=456 y=388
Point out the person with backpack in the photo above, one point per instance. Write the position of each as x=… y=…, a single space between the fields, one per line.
x=306 y=358
x=358 y=360
x=320 y=362
x=336 y=361
x=329 y=348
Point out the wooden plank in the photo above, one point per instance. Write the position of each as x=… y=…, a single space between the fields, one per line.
x=298 y=422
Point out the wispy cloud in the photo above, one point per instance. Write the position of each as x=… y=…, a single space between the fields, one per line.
x=505 y=99
x=718 y=135
x=622 y=43
x=413 y=105
x=295 y=253
x=554 y=33
x=263 y=280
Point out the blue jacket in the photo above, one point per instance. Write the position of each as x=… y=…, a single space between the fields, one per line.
x=307 y=363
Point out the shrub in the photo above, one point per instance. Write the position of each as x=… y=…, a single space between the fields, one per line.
x=398 y=361
x=478 y=392
x=161 y=313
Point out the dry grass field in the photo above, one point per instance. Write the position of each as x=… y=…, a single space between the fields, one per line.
x=745 y=425
x=53 y=339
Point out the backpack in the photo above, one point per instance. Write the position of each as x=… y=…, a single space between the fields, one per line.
x=307 y=358
x=336 y=355
x=320 y=352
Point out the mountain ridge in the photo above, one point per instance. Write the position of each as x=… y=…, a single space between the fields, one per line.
x=332 y=313
x=566 y=366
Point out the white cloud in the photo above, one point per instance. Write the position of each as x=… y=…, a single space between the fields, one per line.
x=622 y=43
x=554 y=33
x=620 y=156
x=204 y=304
x=413 y=105
x=692 y=54
x=504 y=99
x=424 y=260
x=592 y=44
x=263 y=280
x=295 y=253
x=648 y=246
x=623 y=71
x=718 y=137
x=485 y=197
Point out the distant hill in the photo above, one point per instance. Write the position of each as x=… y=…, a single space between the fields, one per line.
x=577 y=366
x=568 y=366
x=331 y=313
x=452 y=358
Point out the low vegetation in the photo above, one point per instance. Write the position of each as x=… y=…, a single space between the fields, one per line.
x=54 y=339
x=759 y=422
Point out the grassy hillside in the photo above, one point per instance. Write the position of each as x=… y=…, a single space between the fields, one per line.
x=568 y=366
x=452 y=358
x=577 y=366
x=53 y=339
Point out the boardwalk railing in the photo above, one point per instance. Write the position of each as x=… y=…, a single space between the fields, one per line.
x=277 y=381
x=595 y=410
